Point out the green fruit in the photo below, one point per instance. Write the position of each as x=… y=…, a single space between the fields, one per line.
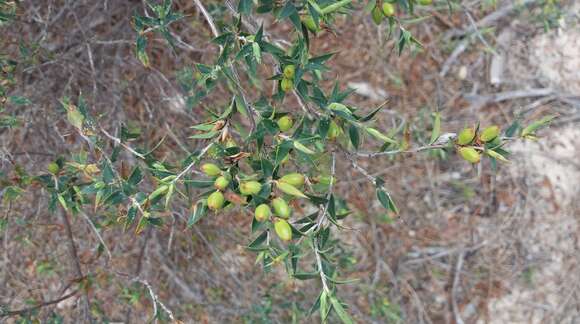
x=466 y=136
x=250 y=188
x=286 y=85
x=295 y=179
x=289 y=71
x=388 y=9
x=377 y=15
x=285 y=123
x=425 y=2
x=469 y=154
x=53 y=167
x=333 y=130
x=215 y=201
x=262 y=213
x=221 y=183
x=211 y=169
x=489 y=133
x=283 y=230
x=281 y=208
x=309 y=22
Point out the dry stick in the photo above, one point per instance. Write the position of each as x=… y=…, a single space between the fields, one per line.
x=98 y=235
x=491 y=18
x=474 y=26
x=74 y=256
x=454 y=305
x=33 y=308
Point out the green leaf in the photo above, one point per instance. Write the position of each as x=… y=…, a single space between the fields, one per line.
x=307 y=275
x=199 y=210
x=245 y=7
x=300 y=147
x=531 y=129
x=205 y=135
x=354 y=136
x=380 y=136
x=339 y=309
x=290 y=189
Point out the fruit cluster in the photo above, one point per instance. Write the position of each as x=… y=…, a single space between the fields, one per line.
x=279 y=212
x=287 y=83
x=469 y=144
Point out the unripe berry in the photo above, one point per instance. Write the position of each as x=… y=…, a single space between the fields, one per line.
x=466 y=136
x=211 y=169
x=289 y=71
x=262 y=213
x=53 y=167
x=250 y=188
x=377 y=15
x=221 y=183
x=286 y=85
x=470 y=154
x=285 y=123
x=281 y=208
x=215 y=201
x=489 y=133
x=388 y=9
x=283 y=230
x=294 y=179
x=333 y=130
x=309 y=22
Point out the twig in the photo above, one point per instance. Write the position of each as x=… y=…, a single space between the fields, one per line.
x=33 y=308
x=454 y=305
x=319 y=265
x=97 y=234
x=491 y=18
x=125 y=146
x=155 y=300
x=75 y=258
x=395 y=152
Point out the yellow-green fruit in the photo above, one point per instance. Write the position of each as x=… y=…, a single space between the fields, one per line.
x=211 y=169
x=377 y=15
x=309 y=22
x=388 y=9
x=333 y=130
x=250 y=188
x=425 y=2
x=295 y=179
x=285 y=123
x=221 y=183
x=289 y=71
x=286 y=85
x=469 y=154
x=489 y=133
x=281 y=208
x=283 y=230
x=215 y=201
x=53 y=167
x=262 y=213
x=466 y=136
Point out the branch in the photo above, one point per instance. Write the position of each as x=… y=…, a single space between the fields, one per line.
x=32 y=308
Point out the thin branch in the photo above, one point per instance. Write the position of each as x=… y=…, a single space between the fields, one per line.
x=98 y=235
x=454 y=305
x=74 y=256
x=155 y=300
x=33 y=308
